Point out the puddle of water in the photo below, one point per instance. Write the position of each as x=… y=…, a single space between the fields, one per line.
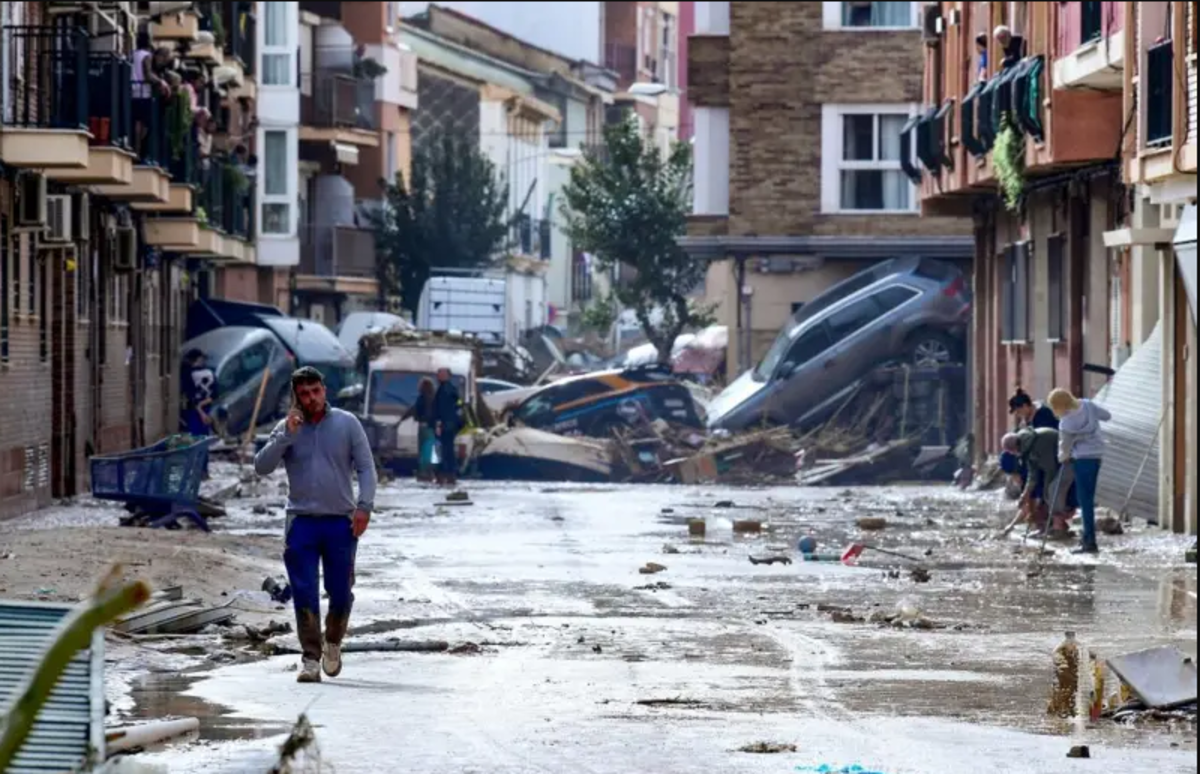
x=162 y=694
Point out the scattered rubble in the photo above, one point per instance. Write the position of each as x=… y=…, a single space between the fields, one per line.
x=767 y=748
x=651 y=568
x=770 y=560
x=170 y=613
x=872 y=523
x=1080 y=751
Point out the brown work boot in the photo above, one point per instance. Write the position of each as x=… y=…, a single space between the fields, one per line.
x=308 y=630
x=335 y=631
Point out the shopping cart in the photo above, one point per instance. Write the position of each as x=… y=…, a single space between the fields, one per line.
x=159 y=484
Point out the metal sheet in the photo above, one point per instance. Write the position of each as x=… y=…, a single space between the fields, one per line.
x=1134 y=396
x=71 y=724
x=1161 y=677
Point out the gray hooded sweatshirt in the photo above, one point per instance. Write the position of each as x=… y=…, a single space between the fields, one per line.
x=1079 y=435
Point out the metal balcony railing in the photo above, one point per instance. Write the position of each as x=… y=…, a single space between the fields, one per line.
x=337 y=251
x=581 y=280
x=240 y=23
x=531 y=237
x=49 y=67
x=210 y=196
x=236 y=216
x=339 y=101
x=1159 y=91
x=621 y=60
x=110 y=100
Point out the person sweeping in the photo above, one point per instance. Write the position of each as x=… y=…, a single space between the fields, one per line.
x=322 y=448
x=1081 y=445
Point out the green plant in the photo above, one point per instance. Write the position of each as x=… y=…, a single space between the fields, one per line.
x=202 y=216
x=600 y=315
x=1008 y=157
x=235 y=178
x=179 y=121
x=218 y=27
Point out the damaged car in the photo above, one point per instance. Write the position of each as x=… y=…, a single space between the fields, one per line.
x=906 y=310
x=594 y=404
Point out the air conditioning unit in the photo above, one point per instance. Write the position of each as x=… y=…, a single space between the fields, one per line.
x=125 y=256
x=58 y=220
x=31 y=206
x=931 y=26
x=81 y=217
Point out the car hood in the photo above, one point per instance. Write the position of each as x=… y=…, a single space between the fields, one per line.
x=737 y=393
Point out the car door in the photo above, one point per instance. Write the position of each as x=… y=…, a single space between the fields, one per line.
x=858 y=338
x=229 y=380
x=798 y=384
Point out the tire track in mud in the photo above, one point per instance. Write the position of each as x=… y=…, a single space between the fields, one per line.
x=806 y=676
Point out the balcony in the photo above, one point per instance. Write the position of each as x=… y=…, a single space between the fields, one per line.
x=47 y=124
x=1091 y=46
x=110 y=123
x=240 y=30
x=531 y=238
x=341 y=108
x=337 y=251
x=178 y=26
x=622 y=60
x=157 y=152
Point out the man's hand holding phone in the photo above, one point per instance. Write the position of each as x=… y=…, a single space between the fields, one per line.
x=295 y=419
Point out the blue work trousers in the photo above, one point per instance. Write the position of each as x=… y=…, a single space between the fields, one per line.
x=1087 y=477
x=315 y=543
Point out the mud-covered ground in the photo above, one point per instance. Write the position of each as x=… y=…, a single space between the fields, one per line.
x=586 y=665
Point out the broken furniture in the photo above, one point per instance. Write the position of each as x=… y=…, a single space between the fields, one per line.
x=159 y=484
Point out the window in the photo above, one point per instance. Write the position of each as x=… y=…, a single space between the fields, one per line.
x=1015 y=285
x=892 y=299
x=393 y=15
x=43 y=294
x=667 y=68
x=276 y=210
x=5 y=297
x=809 y=346
x=862 y=168
x=1057 y=298
x=846 y=322
x=277 y=45
x=880 y=16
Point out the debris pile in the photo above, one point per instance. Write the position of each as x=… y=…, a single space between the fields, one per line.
x=169 y=613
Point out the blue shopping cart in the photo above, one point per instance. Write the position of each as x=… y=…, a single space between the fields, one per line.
x=159 y=484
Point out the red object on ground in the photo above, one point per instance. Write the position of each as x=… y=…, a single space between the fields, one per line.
x=850 y=556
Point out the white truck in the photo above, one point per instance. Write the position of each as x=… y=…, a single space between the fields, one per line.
x=470 y=305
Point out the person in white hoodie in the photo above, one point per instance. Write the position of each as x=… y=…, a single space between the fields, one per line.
x=1081 y=443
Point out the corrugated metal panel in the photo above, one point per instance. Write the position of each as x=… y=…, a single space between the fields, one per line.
x=1134 y=396
x=1191 y=72
x=71 y=723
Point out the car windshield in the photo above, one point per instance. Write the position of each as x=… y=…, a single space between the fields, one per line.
x=392 y=392
x=766 y=367
x=311 y=341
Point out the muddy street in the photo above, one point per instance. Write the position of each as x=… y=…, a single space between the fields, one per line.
x=565 y=657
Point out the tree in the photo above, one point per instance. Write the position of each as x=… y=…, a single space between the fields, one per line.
x=627 y=205
x=450 y=214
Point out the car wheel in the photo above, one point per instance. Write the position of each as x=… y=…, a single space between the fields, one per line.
x=931 y=348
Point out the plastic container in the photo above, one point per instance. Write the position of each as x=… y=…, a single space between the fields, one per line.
x=1066 y=678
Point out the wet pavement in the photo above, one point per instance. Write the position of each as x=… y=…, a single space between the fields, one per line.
x=586 y=665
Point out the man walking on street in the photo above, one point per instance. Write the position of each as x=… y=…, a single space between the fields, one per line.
x=446 y=411
x=321 y=448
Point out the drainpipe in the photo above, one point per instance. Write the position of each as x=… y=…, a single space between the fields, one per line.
x=5 y=80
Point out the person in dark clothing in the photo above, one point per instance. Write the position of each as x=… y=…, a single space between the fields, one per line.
x=199 y=391
x=1012 y=46
x=422 y=412
x=1028 y=415
x=446 y=412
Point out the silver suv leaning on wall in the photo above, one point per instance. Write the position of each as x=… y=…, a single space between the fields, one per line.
x=913 y=310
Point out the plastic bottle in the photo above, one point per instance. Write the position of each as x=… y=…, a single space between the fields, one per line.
x=1097 y=697
x=1066 y=678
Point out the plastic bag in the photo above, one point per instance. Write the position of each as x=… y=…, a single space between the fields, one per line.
x=435 y=454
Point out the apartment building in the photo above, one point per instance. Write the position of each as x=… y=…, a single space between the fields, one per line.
x=804 y=146
x=1068 y=150
x=469 y=93
x=109 y=215
x=581 y=93
x=357 y=88
x=1155 y=250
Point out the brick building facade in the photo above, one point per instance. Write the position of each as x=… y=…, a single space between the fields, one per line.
x=801 y=114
